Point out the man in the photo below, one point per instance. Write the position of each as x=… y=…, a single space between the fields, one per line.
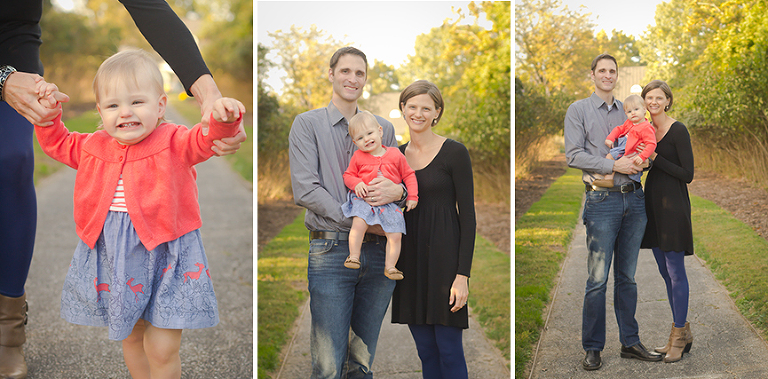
x=614 y=217
x=341 y=299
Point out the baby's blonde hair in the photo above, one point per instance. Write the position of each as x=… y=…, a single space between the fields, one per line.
x=633 y=99
x=125 y=68
x=362 y=118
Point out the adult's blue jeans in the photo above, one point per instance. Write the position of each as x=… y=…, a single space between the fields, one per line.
x=615 y=224
x=18 y=203
x=347 y=308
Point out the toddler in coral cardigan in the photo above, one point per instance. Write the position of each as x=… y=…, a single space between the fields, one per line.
x=369 y=161
x=140 y=267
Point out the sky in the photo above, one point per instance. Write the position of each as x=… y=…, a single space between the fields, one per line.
x=384 y=30
x=632 y=19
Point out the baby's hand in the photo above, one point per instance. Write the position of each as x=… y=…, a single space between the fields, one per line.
x=638 y=160
x=47 y=94
x=227 y=109
x=410 y=204
x=609 y=143
x=361 y=190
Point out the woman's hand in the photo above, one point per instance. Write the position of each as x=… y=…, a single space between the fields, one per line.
x=459 y=293
x=21 y=93
x=206 y=93
x=383 y=191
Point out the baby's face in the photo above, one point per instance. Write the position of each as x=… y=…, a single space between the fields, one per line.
x=635 y=112
x=129 y=113
x=368 y=137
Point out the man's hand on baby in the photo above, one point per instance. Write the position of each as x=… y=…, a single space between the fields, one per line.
x=410 y=204
x=227 y=109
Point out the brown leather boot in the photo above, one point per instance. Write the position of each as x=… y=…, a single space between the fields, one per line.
x=664 y=349
x=13 y=317
x=680 y=345
x=688 y=340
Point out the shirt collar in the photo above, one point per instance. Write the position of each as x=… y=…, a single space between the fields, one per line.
x=334 y=115
x=598 y=102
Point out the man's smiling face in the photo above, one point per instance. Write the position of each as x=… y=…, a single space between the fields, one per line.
x=348 y=77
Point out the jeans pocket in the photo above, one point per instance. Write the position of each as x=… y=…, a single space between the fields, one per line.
x=595 y=197
x=320 y=246
x=640 y=194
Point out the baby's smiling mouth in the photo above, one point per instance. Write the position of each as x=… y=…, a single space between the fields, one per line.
x=128 y=125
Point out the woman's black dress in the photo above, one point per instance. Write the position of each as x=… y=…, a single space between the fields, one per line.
x=666 y=193
x=439 y=240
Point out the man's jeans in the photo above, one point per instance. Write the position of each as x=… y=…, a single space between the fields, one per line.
x=615 y=225
x=341 y=298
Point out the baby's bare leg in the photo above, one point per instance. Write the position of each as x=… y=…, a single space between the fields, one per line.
x=134 y=354
x=356 y=234
x=162 y=347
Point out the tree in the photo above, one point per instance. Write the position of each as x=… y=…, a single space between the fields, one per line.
x=382 y=78
x=552 y=43
x=304 y=56
x=228 y=38
x=624 y=48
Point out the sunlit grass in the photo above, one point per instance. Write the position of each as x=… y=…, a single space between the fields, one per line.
x=542 y=236
x=736 y=255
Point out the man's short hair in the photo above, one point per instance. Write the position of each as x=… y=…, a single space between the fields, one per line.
x=347 y=50
x=601 y=57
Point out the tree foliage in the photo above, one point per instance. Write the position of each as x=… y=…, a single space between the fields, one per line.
x=553 y=45
x=228 y=35
x=304 y=55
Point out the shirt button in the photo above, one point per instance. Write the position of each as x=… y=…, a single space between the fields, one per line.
x=121 y=159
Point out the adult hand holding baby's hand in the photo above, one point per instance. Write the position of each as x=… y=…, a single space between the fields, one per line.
x=21 y=93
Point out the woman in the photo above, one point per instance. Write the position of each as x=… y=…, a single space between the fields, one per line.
x=669 y=232
x=439 y=242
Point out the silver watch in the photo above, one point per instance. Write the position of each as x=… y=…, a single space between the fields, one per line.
x=5 y=71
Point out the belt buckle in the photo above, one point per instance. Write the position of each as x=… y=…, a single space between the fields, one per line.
x=627 y=188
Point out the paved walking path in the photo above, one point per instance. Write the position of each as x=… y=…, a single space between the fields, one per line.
x=56 y=349
x=724 y=346
x=396 y=356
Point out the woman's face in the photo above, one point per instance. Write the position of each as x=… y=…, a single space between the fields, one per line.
x=656 y=101
x=419 y=112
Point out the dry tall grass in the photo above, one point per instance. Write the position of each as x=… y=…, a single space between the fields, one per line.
x=744 y=157
x=532 y=150
x=274 y=178
x=492 y=180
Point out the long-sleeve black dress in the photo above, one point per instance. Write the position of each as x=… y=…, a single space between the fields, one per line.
x=439 y=241
x=666 y=193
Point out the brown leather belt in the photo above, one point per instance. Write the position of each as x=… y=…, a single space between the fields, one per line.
x=624 y=188
x=342 y=236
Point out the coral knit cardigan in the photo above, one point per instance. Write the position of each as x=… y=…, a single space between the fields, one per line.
x=158 y=172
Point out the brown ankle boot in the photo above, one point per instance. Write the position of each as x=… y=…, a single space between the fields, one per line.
x=688 y=337
x=664 y=349
x=13 y=317
x=679 y=345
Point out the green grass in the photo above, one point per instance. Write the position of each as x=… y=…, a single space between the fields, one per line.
x=282 y=289
x=542 y=237
x=736 y=255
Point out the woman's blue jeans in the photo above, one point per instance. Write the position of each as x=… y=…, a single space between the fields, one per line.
x=347 y=308
x=615 y=224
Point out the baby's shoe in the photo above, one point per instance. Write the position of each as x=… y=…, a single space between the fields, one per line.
x=393 y=273
x=352 y=263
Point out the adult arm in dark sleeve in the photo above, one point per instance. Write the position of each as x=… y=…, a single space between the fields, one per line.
x=682 y=141
x=170 y=37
